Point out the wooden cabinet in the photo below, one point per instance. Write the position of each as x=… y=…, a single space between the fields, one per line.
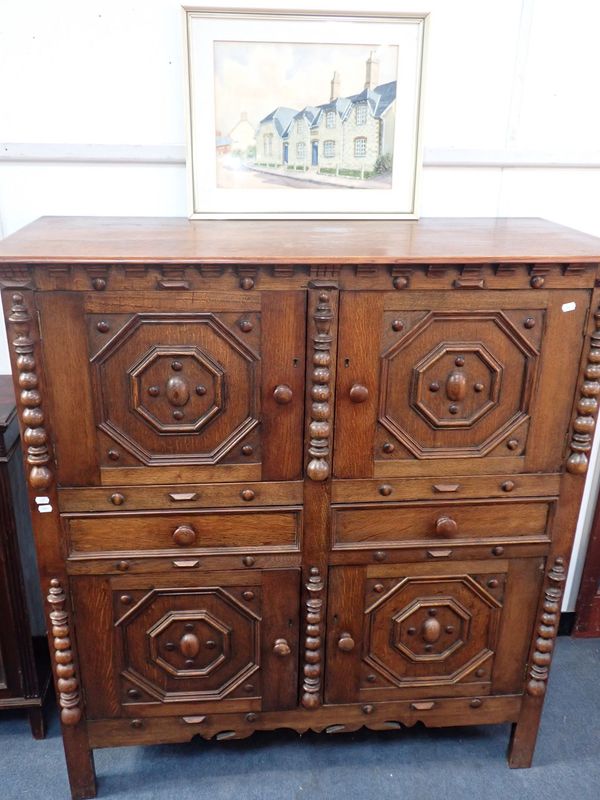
x=24 y=667
x=299 y=474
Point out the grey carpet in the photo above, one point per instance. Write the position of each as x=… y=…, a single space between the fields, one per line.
x=412 y=764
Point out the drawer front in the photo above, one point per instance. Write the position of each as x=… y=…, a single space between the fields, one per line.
x=453 y=487
x=187 y=496
x=455 y=383
x=195 y=532
x=411 y=524
x=175 y=386
x=159 y=645
x=425 y=631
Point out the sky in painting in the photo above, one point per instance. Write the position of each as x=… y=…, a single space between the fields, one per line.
x=256 y=77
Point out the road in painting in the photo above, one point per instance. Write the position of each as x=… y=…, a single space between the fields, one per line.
x=304 y=115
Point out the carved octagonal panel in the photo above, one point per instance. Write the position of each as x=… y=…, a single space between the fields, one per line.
x=428 y=630
x=176 y=388
x=457 y=383
x=189 y=644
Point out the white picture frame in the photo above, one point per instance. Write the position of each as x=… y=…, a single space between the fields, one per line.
x=303 y=115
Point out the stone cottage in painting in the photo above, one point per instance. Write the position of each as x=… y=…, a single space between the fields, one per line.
x=347 y=135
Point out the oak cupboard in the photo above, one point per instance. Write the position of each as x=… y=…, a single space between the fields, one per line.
x=299 y=474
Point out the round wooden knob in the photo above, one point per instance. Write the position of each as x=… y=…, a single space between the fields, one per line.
x=184 y=536
x=358 y=393
x=247 y=495
x=431 y=630
x=446 y=526
x=283 y=394
x=281 y=648
x=346 y=642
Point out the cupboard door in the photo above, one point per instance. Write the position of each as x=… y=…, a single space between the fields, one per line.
x=161 y=645
x=455 y=383
x=415 y=631
x=178 y=387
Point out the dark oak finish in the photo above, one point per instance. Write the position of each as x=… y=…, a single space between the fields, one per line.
x=301 y=474
x=24 y=665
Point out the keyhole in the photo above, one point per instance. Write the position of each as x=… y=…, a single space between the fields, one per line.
x=295 y=362
x=346 y=362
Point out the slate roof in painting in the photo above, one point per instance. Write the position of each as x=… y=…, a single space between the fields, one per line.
x=378 y=99
x=310 y=114
x=281 y=117
x=340 y=104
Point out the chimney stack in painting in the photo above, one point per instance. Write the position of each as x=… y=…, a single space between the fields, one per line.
x=372 y=76
x=335 y=86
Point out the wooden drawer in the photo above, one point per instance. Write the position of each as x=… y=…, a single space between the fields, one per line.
x=409 y=524
x=158 y=533
x=183 y=496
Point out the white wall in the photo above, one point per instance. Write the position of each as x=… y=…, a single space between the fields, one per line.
x=92 y=119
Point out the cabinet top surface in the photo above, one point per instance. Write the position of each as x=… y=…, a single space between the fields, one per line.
x=174 y=239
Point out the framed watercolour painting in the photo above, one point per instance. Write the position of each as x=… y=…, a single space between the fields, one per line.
x=303 y=114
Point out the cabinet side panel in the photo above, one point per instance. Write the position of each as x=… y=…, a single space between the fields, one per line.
x=64 y=343
x=563 y=531
x=553 y=395
x=37 y=434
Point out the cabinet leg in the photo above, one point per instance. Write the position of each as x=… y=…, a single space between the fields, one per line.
x=80 y=764
x=523 y=737
x=37 y=723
